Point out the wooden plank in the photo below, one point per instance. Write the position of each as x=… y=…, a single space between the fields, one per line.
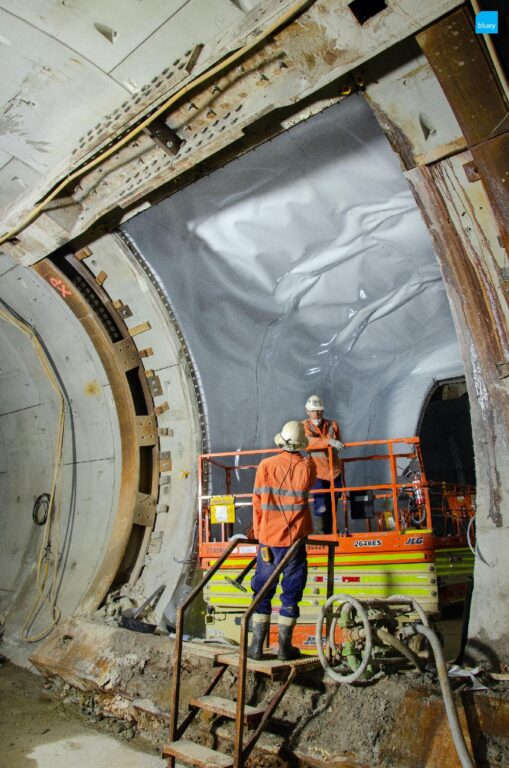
x=127 y=355
x=194 y=754
x=492 y=162
x=227 y=708
x=84 y=253
x=159 y=409
x=470 y=258
x=206 y=650
x=140 y=328
x=269 y=665
x=457 y=57
x=146 y=430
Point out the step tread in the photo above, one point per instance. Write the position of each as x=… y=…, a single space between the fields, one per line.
x=196 y=754
x=269 y=665
x=227 y=707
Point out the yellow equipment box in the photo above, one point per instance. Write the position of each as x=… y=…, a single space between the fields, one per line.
x=222 y=509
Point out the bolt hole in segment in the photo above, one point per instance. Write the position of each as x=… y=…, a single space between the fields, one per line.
x=316 y=275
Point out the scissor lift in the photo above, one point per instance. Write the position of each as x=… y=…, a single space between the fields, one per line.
x=410 y=541
x=394 y=551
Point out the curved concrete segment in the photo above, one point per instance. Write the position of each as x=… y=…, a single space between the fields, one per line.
x=125 y=517
x=178 y=411
x=90 y=471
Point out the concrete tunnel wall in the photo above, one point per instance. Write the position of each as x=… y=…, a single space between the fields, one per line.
x=93 y=517
x=28 y=426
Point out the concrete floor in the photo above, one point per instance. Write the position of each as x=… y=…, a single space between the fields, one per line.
x=38 y=732
x=92 y=750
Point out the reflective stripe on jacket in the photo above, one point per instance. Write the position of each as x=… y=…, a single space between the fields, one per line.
x=318 y=442
x=280 y=499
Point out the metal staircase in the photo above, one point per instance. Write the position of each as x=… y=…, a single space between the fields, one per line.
x=254 y=719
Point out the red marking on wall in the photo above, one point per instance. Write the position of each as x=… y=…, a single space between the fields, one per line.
x=60 y=286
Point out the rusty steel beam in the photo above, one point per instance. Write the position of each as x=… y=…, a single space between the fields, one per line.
x=461 y=65
x=283 y=72
x=479 y=310
x=128 y=506
x=469 y=81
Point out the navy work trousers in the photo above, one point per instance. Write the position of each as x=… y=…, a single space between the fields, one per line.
x=322 y=506
x=293 y=582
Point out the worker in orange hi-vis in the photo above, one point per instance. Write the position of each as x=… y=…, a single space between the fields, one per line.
x=322 y=433
x=281 y=517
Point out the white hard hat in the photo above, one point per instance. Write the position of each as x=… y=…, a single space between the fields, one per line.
x=292 y=437
x=314 y=403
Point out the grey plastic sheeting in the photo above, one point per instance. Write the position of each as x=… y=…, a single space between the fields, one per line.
x=304 y=267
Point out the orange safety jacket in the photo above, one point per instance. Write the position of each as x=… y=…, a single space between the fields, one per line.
x=280 y=499
x=318 y=443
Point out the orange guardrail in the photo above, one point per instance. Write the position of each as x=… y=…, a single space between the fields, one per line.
x=403 y=503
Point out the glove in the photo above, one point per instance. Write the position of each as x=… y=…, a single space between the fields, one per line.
x=337 y=444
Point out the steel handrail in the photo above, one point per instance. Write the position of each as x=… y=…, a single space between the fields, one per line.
x=241 y=686
x=179 y=632
x=355 y=444
x=393 y=446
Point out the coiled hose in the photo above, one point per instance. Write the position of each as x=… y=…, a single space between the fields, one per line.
x=422 y=629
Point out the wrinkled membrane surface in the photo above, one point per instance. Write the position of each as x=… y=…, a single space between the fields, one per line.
x=305 y=267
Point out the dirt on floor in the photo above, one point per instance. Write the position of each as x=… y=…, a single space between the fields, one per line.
x=38 y=730
x=120 y=681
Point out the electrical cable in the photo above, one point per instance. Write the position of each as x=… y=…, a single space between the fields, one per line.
x=47 y=560
x=474 y=548
x=469 y=539
x=211 y=72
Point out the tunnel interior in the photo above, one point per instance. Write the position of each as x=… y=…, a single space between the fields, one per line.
x=303 y=266
x=206 y=222
x=445 y=431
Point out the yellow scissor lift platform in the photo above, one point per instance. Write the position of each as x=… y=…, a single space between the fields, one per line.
x=398 y=553
x=408 y=546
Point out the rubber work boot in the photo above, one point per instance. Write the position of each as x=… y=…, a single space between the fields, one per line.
x=286 y=650
x=261 y=625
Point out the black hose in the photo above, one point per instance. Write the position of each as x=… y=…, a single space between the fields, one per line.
x=41 y=502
